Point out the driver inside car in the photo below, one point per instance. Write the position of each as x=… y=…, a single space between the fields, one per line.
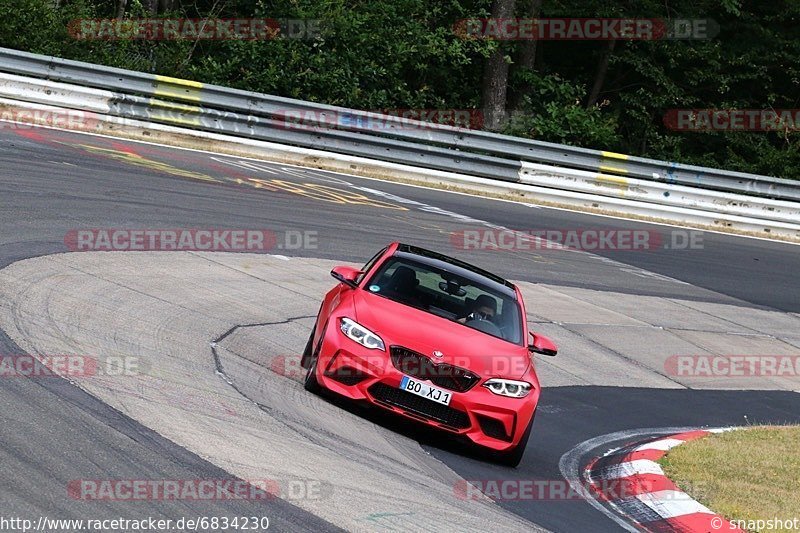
x=484 y=308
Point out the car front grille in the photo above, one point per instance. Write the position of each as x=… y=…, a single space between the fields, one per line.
x=422 y=367
x=437 y=412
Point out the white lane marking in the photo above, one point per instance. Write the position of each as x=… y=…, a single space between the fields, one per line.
x=276 y=172
x=300 y=173
x=660 y=445
x=570 y=465
x=538 y=242
x=327 y=179
x=291 y=173
x=671 y=503
x=630 y=468
x=381 y=194
x=208 y=152
x=261 y=168
x=424 y=207
x=648 y=274
x=623 y=267
x=245 y=165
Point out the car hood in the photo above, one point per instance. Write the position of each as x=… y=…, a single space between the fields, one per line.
x=401 y=325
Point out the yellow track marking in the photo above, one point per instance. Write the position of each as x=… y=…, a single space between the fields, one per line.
x=178 y=88
x=140 y=161
x=615 y=155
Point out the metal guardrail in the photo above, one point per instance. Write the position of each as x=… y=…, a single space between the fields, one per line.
x=214 y=108
x=332 y=140
x=41 y=101
x=650 y=193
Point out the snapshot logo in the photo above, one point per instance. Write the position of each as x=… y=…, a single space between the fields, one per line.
x=65 y=119
x=576 y=240
x=733 y=366
x=185 y=240
x=732 y=119
x=196 y=489
x=761 y=524
x=171 y=29
x=553 y=489
x=72 y=366
x=585 y=29
x=382 y=120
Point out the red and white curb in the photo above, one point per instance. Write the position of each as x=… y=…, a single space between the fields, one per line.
x=631 y=481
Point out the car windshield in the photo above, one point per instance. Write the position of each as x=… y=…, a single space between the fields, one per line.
x=448 y=296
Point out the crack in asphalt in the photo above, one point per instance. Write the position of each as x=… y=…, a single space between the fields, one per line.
x=280 y=416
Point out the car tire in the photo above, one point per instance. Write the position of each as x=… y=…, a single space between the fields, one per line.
x=513 y=456
x=305 y=360
x=310 y=382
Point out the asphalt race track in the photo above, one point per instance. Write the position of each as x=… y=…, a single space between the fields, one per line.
x=607 y=378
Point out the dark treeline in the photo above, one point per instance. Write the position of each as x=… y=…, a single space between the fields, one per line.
x=408 y=54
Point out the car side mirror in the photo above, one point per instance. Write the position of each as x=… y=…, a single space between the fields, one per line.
x=346 y=275
x=542 y=345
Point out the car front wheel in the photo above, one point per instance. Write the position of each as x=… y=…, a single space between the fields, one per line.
x=310 y=358
x=513 y=456
x=310 y=382
x=305 y=361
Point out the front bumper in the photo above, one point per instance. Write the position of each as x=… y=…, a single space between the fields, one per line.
x=355 y=372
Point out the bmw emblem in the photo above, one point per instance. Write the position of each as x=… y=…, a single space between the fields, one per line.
x=437 y=353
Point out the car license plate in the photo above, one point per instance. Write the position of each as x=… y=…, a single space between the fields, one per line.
x=426 y=391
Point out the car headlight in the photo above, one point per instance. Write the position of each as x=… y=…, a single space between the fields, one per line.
x=361 y=335
x=508 y=387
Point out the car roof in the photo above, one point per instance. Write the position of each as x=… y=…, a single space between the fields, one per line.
x=457 y=267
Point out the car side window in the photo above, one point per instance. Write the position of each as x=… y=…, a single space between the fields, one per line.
x=369 y=264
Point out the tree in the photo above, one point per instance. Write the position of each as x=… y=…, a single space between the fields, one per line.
x=526 y=59
x=527 y=51
x=600 y=76
x=495 y=74
x=395 y=54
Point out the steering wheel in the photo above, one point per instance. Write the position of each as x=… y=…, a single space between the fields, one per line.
x=485 y=326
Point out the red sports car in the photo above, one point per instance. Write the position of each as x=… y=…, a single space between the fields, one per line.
x=433 y=339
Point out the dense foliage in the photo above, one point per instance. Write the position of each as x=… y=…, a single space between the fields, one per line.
x=391 y=54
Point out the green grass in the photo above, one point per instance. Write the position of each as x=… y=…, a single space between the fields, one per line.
x=748 y=474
